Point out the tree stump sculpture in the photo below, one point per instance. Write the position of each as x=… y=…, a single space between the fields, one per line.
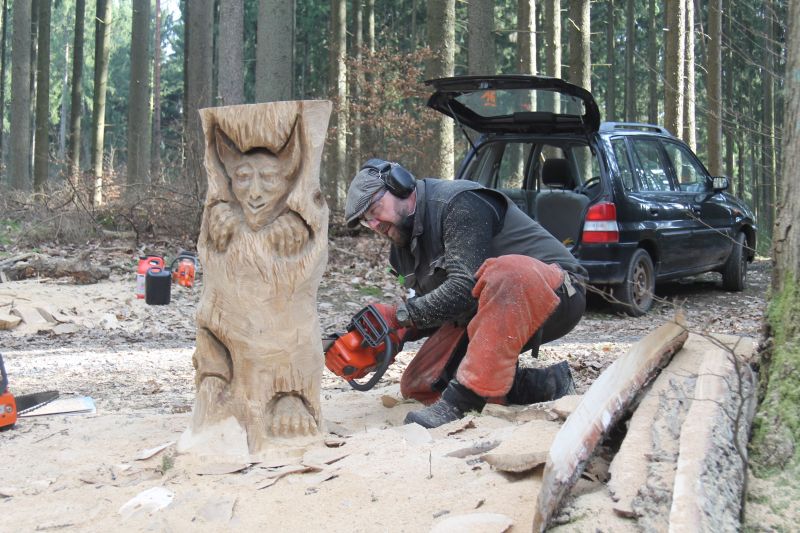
x=263 y=247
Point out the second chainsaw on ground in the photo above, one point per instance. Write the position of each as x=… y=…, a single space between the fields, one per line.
x=368 y=346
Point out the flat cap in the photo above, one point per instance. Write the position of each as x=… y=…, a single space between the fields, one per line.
x=362 y=189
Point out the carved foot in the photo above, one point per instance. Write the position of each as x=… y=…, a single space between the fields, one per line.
x=290 y=417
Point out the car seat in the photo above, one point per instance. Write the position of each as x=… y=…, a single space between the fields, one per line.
x=559 y=209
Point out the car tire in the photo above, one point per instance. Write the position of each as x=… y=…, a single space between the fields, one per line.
x=734 y=273
x=635 y=295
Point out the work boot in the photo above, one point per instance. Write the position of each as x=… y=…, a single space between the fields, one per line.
x=455 y=402
x=534 y=385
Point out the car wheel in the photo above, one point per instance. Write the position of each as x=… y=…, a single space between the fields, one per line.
x=635 y=294
x=734 y=273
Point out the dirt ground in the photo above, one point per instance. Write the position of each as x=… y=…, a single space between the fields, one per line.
x=369 y=473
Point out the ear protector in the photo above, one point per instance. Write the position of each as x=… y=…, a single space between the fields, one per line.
x=399 y=181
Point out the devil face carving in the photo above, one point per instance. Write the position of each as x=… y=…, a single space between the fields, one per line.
x=260 y=180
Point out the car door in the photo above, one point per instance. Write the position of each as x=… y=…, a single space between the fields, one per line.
x=661 y=208
x=712 y=219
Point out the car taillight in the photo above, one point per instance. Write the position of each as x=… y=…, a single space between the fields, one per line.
x=601 y=224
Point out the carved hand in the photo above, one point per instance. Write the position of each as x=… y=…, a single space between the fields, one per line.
x=222 y=222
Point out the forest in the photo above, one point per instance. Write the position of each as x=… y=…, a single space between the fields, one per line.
x=100 y=98
x=101 y=142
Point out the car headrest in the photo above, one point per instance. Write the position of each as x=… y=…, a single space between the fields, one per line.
x=557 y=174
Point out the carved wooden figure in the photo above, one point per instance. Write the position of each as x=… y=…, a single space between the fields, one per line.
x=263 y=248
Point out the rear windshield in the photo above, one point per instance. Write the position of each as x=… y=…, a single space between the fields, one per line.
x=502 y=102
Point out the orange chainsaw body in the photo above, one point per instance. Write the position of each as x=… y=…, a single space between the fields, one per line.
x=349 y=357
x=8 y=410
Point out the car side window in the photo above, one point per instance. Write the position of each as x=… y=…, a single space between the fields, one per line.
x=689 y=173
x=511 y=172
x=623 y=163
x=650 y=166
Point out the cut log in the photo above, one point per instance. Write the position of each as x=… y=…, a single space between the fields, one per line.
x=80 y=270
x=712 y=465
x=605 y=401
x=526 y=447
x=667 y=397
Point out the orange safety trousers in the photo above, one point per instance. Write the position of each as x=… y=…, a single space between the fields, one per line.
x=516 y=295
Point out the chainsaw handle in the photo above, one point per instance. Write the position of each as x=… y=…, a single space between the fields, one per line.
x=380 y=370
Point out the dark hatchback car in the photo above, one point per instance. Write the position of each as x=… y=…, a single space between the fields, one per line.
x=633 y=203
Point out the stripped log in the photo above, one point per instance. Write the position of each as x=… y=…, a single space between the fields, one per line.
x=602 y=405
x=645 y=438
x=712 y=464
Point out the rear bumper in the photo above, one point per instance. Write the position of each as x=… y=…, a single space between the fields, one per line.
x=606 y=263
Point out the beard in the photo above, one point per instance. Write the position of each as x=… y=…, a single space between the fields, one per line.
x=403 y=231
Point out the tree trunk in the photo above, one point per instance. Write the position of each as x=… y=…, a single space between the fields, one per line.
x=338 y=168
x=371 y=26
x=652 y=63
x=552 y=49
x=611 y=82
x=3 y=78
x=776 y=440
x=729 y=128
x=139 y=102
x=630 y=49
x=41 y=156
x=76 y=99
x=102 y=36
x=275 y=51
x=689 y=122
x=480 y=37
x=675 y=52
x=155 y=140
x=580 y=65
x=32 y=71
x=356 y=84
x=526 y=37
x=230 y=59
x=715 y=88
x=62 y=117
x=441 y=39
x=768 y=120
x=199 y=60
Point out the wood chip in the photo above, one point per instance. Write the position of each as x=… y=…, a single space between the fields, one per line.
x=525 y=448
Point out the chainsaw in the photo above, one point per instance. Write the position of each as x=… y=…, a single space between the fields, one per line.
x=368 y=346
x=12 y=406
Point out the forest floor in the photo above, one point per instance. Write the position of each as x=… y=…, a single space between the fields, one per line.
x=77 y=472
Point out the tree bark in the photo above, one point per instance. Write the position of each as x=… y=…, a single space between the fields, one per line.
x=230 y=58
x=356 y=84
x=76 y=100
x=729 y=129
x=480 y=37
x=552 y=49
x=102 y=35
x=768 y=120
x=338 y=169
x=715 y=88
x=441 y=39
x=41 y=156
x=3 y=76
x=611 y=82
x=675 y=52
x=652 y=63
x=275 y=51
x=155 y=139
x=630 y=48
x=689 y=121
x=526 y=37
x=139 y=103
x=580 y=65
x=371 y=26
x=199 y=60
x=776 y=440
